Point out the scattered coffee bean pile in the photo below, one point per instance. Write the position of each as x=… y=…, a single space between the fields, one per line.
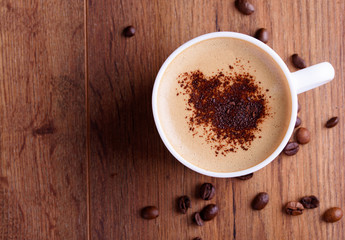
x=207 y=191
x=302 y=134
x=297 y=208
x=333 y=214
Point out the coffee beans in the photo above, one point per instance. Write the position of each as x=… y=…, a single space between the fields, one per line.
x=332 y=122
x=310 y=202
x=244 y=7
x=333 y=215
x=129 y=31
x=197 y=219
x=298 y=122
x=207 y=191
x=149 y=212
x=262 y=35
x=260 y=201
x=183 y=204
x=302 y=135
x=246 y=177
x=294 y=208
x=291 y=148
x=298 y=62
x=209 y=212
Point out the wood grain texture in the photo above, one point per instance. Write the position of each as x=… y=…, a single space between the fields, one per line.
x=43 y=130
x=42 y=120
x=130 y=167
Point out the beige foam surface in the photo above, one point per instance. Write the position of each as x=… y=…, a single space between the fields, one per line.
x=209 y=56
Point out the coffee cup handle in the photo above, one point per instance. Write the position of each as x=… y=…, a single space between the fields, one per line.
x=313 y=76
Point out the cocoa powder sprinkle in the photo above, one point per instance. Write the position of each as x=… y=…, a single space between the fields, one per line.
x=226 y=108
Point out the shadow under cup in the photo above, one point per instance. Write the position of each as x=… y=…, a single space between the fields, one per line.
x=198 y=146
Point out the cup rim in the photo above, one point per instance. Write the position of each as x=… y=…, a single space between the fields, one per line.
x=282 y=66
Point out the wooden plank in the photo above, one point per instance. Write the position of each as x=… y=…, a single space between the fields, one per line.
x=42 y=120
x=130 y=167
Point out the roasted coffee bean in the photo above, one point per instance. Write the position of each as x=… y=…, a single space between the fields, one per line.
x=262 y=35
x=246 y=177
x=310 y=202
x=298 y=62
x=197 y=219
x=207 y=191
x=209 y=212
x=333 y=214
x=298 y=122
x=244 y=7
x=260 y=201
x=332 y=122
x=129 y=31
x=302 y=135
x=299 y=107
x=149 y=212
x=291 y=148
x=183 y=204
x=294 y=208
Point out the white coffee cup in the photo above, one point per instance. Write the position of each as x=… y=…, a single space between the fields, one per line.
x=299 y=81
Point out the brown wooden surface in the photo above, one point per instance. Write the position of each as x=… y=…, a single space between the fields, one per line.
x=42 y=120
x=49 y=167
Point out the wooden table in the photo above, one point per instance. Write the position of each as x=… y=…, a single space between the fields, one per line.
x=80 y=155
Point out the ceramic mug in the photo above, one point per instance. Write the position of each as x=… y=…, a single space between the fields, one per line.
x=299 y=81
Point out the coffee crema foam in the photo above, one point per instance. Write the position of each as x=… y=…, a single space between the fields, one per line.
x=228 y=57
